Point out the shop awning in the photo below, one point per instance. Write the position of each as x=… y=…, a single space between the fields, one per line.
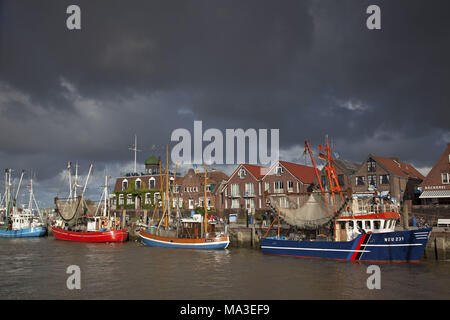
x=435 y=194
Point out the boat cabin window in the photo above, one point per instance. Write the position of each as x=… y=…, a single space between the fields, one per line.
x=377 y=224
x=359 y=224
x=367 y=225
x=342 y=225
x=350 y=224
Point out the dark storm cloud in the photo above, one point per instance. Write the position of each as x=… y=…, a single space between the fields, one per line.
x=309 y=68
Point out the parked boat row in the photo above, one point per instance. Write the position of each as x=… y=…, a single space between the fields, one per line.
x=345 y=228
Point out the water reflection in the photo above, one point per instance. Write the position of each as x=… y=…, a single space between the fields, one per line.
x=36 y=269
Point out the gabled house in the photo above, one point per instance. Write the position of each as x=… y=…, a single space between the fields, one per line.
x=287 y=182
x=436 y=185
x=388 y=176
x=243 y=189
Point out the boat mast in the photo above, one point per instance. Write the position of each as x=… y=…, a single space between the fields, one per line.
x=205 y=220
x=166 y=221
x=106 y=194
x=87 y=179
x=70 y=178
x=75 y=183
x=315 y=170
x=7 y=193
x=18 y=187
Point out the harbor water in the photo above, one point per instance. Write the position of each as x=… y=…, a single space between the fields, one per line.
x=37 y=269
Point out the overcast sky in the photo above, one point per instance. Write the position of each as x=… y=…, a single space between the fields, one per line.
x=308 y=68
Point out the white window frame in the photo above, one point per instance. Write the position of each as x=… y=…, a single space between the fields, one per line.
x=447 y=176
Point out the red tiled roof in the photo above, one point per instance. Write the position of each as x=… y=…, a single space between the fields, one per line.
x=391 y=165
x=305 y=174
x=256 y=171
x=399 y=168
x=411 y=171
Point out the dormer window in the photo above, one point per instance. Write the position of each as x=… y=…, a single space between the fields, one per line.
x=138 y=184
x=242 y=173
x=151 y=183
x=124 y=185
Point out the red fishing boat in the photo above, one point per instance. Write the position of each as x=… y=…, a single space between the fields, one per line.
x=101 y=236
x=75 y=223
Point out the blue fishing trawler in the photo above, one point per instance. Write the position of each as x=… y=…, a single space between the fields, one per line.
x=370 y=237
x=358 y=229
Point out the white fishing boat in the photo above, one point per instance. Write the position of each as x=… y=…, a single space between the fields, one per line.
x=20 y=222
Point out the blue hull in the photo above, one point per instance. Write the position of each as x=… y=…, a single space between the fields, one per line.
x=23 y=233
x=399 y=246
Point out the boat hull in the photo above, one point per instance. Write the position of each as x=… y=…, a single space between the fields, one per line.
x=104 y=236
x=168 y=242
x=23 y=233
x=398 y=246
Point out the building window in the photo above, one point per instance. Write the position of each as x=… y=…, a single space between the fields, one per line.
x=249 y=189
x=384 y=179
x=371 y=166
x=278 y=187
x=372 y=180
x=235 y=190
x=148 y=199
x=267 y=186
x=445 y=178
x=130 y=199
x=151 y=183
x=124 y=185
x=235 y=204
x=242 y=173
x=284 y=203
x=138 y=184
x=360 y=181
x=121 y=199
x=290 y=186
x=249 y=203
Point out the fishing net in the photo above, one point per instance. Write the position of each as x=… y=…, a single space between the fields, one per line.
x=310 y=212
x=68 y=209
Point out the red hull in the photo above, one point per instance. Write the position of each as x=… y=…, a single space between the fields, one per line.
x=105 y=236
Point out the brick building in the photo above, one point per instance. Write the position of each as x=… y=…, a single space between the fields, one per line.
x=189 y=190
x=436 y=185
x=250 y=186
x=388 y=176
